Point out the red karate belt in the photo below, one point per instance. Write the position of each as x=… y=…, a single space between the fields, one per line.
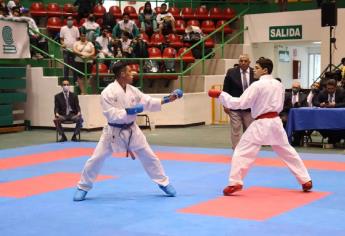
x=272 y=114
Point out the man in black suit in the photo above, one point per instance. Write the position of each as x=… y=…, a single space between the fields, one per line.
x=67 y=109
x=332 y=97
x=236 y=81
x=294 y=99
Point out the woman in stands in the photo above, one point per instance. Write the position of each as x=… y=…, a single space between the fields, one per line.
x=147 y=18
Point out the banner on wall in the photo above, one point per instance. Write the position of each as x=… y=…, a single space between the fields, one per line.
x=14 y=39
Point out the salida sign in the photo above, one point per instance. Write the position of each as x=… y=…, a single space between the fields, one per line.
x=287 y=32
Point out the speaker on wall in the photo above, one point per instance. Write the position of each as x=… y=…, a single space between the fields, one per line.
x=329 y=16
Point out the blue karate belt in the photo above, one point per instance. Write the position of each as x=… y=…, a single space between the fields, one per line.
x=123 y=127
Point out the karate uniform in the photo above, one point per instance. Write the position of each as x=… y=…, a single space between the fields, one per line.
x=114 y=100
x=263 y=96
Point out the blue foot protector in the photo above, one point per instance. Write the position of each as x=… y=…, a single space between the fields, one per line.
x=79 y=195
x=169 y=190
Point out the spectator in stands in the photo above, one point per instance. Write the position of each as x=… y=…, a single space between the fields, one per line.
x=312 y=98
x=67 y=109
x=69 y=34
x=116 y=48
x=140 y=47
x=85 y=7
x=294 y=99
x=236 y=81
x=85 y=51
x=91 y=28
x=126 y=45
x=194 y=34
x=125 y=25
x=147 y=19
x=102 y=44
x=166 y=21
x=3 y=8
x=13 y=4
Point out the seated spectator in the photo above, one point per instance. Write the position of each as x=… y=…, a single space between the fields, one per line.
x=166 y=21
x=193 y=34
x=91 y=28
x=3 y=8
x=147 y=19
x=102 y=45
x=312 y=98
x=140 y=47
x=85 y=51
x=125 y=25
x=126 y=45
x=67 y=109
x=116 y=48
x=69 y=34
x=332 y=96
x=85 y=7
x=294 y=99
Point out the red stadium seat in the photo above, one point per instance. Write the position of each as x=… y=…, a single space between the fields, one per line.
x=116 y=11
x=135 y=68
x=201 y=13
x=187 y=13
x=175 y=41
x=99 y=11
x=54 y=24
x=131 y=11
x=188 y=57
x=69 y=10
x=100 y=22
x=144 y=37
x=37 y=9
x=207 y=26
x=156 y=40
x=82 y=21
x=228 y=13
x=193 y=23
x=141 y=9
x=180 y=26
x=154 y=52
x=209 y=43
x=102 y=69
x=227 y=29
x=75 y=22
x=216 y=13
x=175 y=12
x=53 y=9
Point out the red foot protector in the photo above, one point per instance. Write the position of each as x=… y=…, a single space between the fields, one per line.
x=42 y=184
x=255 y=203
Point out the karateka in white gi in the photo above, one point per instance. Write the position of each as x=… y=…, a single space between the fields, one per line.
x=121 y=102
x=265 y=98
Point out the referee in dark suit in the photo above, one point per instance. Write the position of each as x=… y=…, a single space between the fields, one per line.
x=67 y=109
x=236 y=81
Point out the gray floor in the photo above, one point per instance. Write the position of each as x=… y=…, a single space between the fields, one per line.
x=210 y=136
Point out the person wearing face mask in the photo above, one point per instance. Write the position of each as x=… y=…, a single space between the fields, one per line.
x=91 y=28
x=166 y=21
x=125 y=25
x=69 y=34
x=294 y=99
x=312 y=98
x=67 y=109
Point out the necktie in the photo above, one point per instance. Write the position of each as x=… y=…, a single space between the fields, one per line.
x=244 y=83
x=67 y=104
x=331 y=98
